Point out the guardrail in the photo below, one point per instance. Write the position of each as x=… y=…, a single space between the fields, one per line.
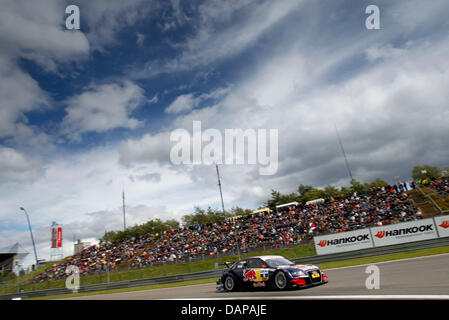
x=411 y=246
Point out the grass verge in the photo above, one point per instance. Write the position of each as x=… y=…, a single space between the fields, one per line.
x=386 y=257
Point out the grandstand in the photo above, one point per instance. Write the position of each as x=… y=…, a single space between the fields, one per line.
x=263 y=228
x=11 y=257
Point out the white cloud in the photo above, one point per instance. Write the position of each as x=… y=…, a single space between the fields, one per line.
x=34 y=32
x=182 y=103
x=140 y=39
x=210 y=44
x=388 y=51
x=17 y=167
x=146 y=149
x=391 y=113
x=101 y=108
x=83 y=192
x=187 y=102
x=19 y=93
x=107 y=18
x=155 y=99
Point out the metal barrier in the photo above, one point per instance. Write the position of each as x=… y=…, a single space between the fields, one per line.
x=411 y=246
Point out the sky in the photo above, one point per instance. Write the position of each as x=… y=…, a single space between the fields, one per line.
x=88 y=113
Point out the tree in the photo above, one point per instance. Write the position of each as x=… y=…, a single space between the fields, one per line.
x=274 y=200
x=172 y=223
x=201 y=216
x=426 y=171
x=150 y=227
x=304 y=189
x=356 y=186
x=237 y=211
x=344 y=191
x=330 y=192
x=377 y=183
x=312 y=194
x=277 y=198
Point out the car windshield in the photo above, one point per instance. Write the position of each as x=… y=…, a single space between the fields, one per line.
x=278 y=261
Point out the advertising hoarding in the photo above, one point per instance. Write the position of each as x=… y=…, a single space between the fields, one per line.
x=59 y=238
x=404 y=232
x=343 y=241
x=442 y=224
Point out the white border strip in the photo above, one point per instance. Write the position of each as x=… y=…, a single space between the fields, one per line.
x=338 y=297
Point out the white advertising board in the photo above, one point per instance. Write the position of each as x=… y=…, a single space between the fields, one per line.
x=343 y=241
x=442 y=224
x=404 y=232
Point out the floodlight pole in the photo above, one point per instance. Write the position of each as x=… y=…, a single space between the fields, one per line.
x=343 y=151
x=32 y=238
x=221 y=193
x=124 y=218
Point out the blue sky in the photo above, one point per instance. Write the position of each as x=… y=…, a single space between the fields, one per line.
x=84 y=114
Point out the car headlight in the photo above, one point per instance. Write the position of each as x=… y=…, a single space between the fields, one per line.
x=299 y=273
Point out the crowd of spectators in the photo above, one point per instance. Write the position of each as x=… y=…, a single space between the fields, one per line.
x=96 y=259
x=374 y=207
x=440 y=185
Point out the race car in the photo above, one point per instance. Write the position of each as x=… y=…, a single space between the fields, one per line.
x=274 y=272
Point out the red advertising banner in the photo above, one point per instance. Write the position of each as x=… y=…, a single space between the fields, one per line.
x=59 y=238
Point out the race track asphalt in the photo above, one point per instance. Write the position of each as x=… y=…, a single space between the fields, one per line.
x=417 y=276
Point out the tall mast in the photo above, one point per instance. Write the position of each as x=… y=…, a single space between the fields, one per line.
x=221 y=194
x=343 y=151
x=124 y=218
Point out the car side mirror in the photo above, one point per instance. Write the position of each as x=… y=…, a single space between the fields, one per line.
x=263 y=266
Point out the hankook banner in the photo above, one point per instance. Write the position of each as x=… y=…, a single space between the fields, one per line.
x=442 y=224
x=383 y=236
x=404 y=232
x=343 y=241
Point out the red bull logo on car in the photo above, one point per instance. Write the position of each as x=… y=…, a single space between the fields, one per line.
x=250 y=275
x=255 y=275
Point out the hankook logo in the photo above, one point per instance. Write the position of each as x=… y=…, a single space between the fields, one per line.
x=322 y=243
x=404 y=231
x=445 y=224
x=345 y=240
x=380 y=234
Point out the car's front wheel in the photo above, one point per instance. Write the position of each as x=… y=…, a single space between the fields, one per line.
x=229 y=283
x=280 y=281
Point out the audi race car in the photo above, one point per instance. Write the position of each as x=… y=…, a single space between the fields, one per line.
x=274 y=272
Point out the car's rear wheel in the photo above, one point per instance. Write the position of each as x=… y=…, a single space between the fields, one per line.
x=280 y=281
x=229 y=283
